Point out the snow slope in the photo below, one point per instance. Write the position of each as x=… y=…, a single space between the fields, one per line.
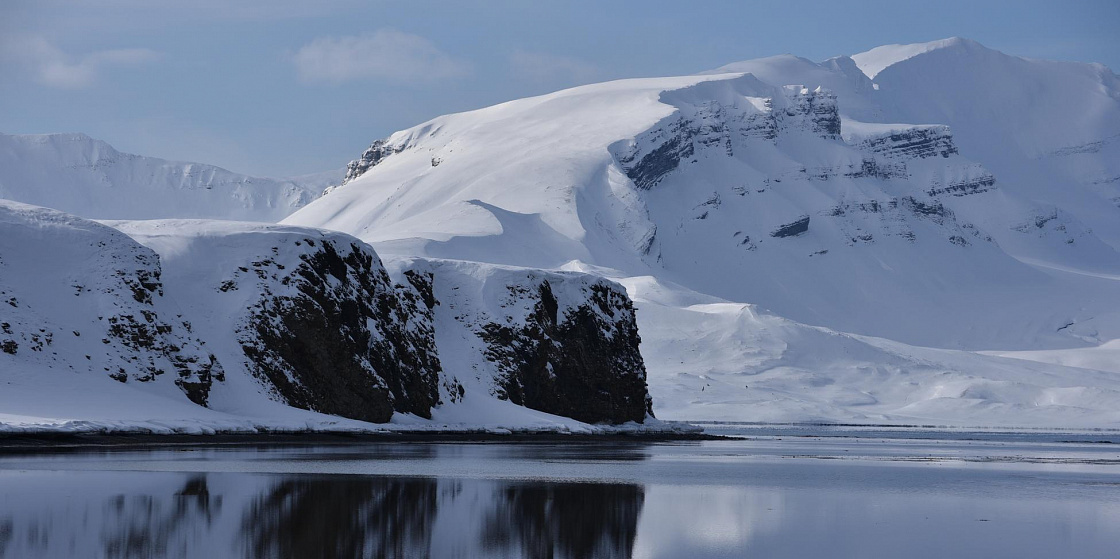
x=877 y=59
x=709 y=359
x=87 y=177
x=893 y=213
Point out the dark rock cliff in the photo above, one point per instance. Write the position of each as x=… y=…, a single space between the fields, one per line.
x=334 y=335
x=583 y=363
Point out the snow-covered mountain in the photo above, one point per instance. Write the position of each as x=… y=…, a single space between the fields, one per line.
x=907 y=203
x=87 y=177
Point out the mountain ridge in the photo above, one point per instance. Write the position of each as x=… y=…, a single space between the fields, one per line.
x=89 y=177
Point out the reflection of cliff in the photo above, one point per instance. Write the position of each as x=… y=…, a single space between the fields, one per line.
x=150 y=526
x=341 y=518
x=303 y=516
x=569 y=520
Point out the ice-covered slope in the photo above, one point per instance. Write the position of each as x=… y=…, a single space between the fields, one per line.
x=883 y=207
x=87 y=177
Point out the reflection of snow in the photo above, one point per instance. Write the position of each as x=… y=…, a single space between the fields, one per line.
x=721 y=520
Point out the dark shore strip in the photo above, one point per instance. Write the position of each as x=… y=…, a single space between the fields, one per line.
x=23 y=443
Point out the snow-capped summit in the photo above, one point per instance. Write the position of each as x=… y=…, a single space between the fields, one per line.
x=88 y=177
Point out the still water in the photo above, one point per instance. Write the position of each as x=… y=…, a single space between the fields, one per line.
x=772 y=496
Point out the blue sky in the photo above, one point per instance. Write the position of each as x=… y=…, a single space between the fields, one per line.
x=289 y=87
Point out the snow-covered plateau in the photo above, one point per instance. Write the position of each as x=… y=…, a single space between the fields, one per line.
x=919 y=234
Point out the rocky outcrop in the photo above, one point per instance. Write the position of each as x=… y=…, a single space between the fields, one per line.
x=916 y=142
x=792 y=229
x=813 y=111
x=647 y=169
x=583 y=364
x=374 y=154
x=84 y=298
x=974 y=183
x=341 y=339
x=720 y=120
x=562 y=343
x=316 y=320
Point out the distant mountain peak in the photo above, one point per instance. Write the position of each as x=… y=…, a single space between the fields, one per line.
x=879 y=58
x=76 y=173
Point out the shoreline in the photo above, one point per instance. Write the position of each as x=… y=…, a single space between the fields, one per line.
x=21 y=443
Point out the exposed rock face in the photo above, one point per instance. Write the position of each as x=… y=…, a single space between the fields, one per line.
x=348 y=337
x=709 y=118
x=1053 y=224
x=916 y=142
x=374 y=154
x=970 y=183
x=584 y=364
x=893 y=218
x=83 y=297
x=873 y=168
x=814 y=111
x=345 y=342
x=792 y=229
x=648 y=170
x=314 y=315
x=562 y=343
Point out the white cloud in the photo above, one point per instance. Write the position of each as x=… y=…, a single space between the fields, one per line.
x=386 y=54
x=52 y=66
x=553 y=69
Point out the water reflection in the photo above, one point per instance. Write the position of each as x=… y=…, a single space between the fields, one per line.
x=146 y=525
x=302 y=516
x=725 y=499
x=564 y=520
x=348 y=517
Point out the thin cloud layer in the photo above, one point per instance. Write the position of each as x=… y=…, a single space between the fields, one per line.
x=386 y=54
x=51 y=66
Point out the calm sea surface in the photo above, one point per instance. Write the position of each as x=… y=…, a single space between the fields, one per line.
x=785 y=493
